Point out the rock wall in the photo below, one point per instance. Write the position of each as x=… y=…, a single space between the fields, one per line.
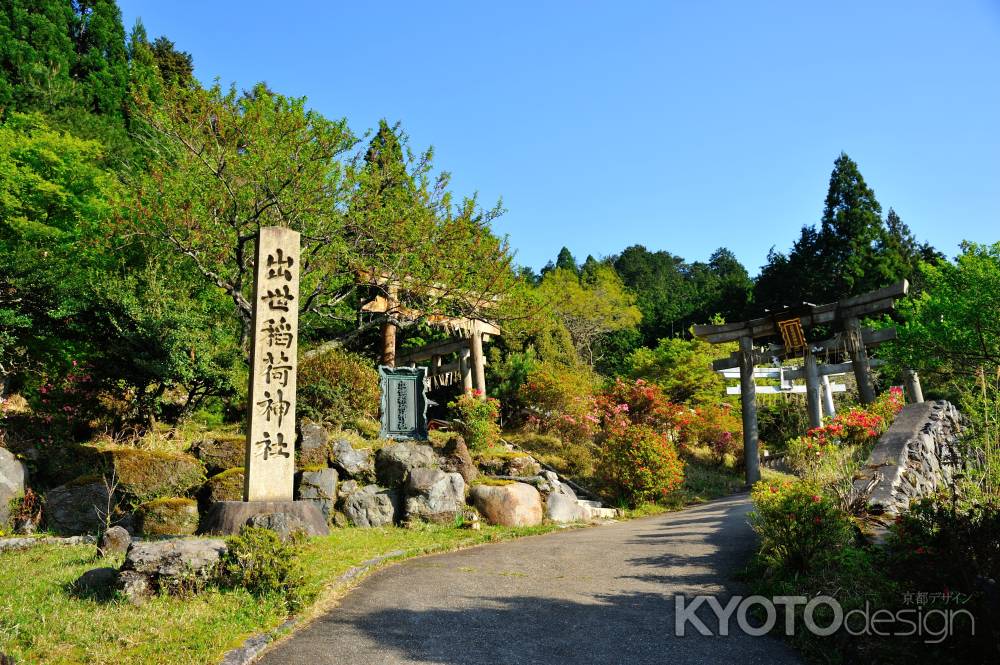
x=917 y=455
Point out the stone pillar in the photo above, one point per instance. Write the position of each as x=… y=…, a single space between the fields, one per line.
x=829 y=407
x=813 y=389
x=859 y=360
x=270 y=451
x=914 y=393
x=748 y=400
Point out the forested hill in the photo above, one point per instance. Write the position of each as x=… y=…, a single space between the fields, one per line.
x=852 y=249
x=130 y=194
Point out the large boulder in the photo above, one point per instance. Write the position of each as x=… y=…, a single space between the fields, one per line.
x=512 y=504
x=229 y=517
x=352 y=462
x=96 y=581
x=509 y=464
x=372 y=506
x=168 y=517
x=221 y=451
x=563 y=508
x=172 y=558
x=168 y=565
x=78 y=507
x=557 y=486
x=319 y=487
x=314 y=445
x=394 y=463
x=523 y=465
x=13 y=480
x=434 y=496
x=456 y=458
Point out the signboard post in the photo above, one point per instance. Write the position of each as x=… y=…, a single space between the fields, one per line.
x=404 y=403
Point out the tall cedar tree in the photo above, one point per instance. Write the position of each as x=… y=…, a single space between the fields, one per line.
x=101 y=65
x=852 y=252
x=37 y=53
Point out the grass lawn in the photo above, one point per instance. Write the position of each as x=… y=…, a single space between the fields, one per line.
x=41 y=621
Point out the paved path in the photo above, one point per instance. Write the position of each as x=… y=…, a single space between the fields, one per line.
x=599 y=595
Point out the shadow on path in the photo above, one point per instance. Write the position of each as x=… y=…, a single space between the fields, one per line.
x=598 y=595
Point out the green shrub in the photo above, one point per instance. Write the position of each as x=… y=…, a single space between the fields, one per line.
x=337 y=388
x=257 y=560
x=168 y=517
x=575 y=459
x=478 y=419
x=948 y=546
x=799 y=527
x=639 y=464
x=781 y=418
x=952 y=545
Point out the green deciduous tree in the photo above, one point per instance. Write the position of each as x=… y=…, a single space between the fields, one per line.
x=70 y=291
x=589 y=309
x=227 y=164
x=951 y=334
x=683 y=369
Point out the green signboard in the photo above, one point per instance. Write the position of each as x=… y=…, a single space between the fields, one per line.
x=404 y=403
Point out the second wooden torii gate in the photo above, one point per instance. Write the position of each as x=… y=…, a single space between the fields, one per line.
x=471 y=363
x=790 y=324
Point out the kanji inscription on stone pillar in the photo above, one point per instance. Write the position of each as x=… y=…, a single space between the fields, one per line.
x=270 y=452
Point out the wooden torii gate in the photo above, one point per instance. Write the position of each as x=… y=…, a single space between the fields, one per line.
x=791 y=324
x=472 y=333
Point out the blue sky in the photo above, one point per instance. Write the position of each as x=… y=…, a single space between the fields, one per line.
x=682 y=126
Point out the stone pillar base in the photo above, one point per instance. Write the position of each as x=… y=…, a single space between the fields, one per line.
x=228 y=517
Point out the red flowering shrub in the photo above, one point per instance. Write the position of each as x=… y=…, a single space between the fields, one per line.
x=561 y=402
x=67 y=403
x=641 y=403
x=798 y=526
x=639 y=464
x=718 y=428
x=831 y=454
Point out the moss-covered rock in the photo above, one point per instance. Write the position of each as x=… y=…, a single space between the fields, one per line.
x=145 y=475
x=168 y=517
x=225 y=486
x=219 y=452
x=313 y=445
x=507 y=463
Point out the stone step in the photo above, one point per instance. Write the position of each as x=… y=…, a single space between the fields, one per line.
x=603 y=513
x=597 y=510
